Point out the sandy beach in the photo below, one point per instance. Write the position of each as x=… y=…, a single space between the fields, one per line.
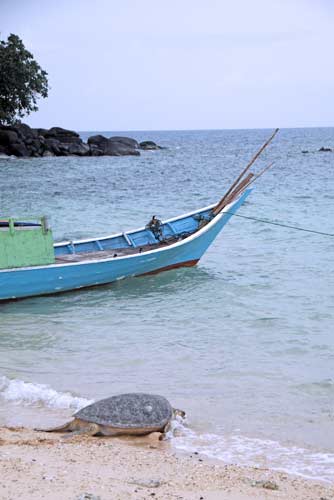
x=41 y=465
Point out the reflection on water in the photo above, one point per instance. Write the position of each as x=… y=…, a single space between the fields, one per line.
x=148 y=287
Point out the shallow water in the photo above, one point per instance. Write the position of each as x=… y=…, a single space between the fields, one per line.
x=244 y=342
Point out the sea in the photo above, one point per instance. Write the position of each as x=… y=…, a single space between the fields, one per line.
x=244 y=342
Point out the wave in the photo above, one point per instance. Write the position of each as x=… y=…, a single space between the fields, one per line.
x=30 y=394
x=245 y=451
x=322 y=386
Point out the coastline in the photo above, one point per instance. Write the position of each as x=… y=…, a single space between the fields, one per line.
x=42 y=465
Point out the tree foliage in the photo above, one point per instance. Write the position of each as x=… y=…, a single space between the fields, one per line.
x=22 y=80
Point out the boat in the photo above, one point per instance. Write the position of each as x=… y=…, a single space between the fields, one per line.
x=31 y=264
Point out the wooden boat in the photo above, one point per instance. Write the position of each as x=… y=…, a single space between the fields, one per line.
x=32 y=264
x=78 y=264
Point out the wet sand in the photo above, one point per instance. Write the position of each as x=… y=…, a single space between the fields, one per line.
x=40 y=465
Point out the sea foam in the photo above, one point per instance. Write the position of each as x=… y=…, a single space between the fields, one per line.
x=30 y=394
x=246 y=451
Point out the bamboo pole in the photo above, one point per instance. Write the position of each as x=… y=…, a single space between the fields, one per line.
x=259 y=174
x=220 y=204
x=237 y=190
x=242 y=186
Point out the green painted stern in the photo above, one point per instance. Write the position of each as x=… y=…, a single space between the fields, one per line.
x=25 y=245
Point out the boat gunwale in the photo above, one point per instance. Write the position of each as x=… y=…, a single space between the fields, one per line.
x=132 y=231
x=193 y=236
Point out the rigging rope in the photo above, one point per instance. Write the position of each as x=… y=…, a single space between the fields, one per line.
x=280 y=224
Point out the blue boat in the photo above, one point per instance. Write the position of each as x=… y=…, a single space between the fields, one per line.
x=32 y=264
x=159 y=246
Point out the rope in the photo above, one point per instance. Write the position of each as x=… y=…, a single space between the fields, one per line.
x=280 y=224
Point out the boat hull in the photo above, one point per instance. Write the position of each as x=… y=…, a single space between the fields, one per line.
x=57 y=278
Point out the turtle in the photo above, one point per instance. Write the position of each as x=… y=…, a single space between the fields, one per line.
x=133 y=413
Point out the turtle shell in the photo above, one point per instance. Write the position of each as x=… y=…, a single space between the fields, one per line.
x=129 y=411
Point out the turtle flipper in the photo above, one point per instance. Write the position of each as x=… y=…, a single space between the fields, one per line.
x=61 y=428
x=166 y=429
x=87 y=430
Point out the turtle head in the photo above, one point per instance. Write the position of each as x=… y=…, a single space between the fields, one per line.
x=179 y=413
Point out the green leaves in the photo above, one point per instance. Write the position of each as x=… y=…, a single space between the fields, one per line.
x=22 y=80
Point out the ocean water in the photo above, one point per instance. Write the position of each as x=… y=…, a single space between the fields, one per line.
x=244 y=342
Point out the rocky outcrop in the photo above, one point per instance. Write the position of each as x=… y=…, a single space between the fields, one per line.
x=127 y=141
x=114 y=146
x=10 y=140
x=62 y=135
x=149 y=145
x=21 y=140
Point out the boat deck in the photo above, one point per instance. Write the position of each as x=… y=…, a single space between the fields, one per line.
x=114 y=252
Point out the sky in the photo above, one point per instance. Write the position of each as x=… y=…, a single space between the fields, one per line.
x=179 y=64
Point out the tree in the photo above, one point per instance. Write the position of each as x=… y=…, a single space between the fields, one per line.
x=22 y=80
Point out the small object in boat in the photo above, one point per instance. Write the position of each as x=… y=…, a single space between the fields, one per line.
x=115 y=255
x=134 y=413
x=155 y=225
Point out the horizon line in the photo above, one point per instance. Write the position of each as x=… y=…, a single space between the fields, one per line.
x=200 y=129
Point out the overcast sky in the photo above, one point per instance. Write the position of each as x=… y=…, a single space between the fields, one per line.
x=179 y=64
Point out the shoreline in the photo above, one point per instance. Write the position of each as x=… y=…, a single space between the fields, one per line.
x=45 y=465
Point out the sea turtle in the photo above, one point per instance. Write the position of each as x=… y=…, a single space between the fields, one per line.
x=134 y=413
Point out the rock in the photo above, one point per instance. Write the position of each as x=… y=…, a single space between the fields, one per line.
x=115 y=148
x=25 y=132
x=21 y=140
x=87 y=496
x=18 y=140
x=64 y=149
x=127 y=141
x=19 y=149
x=98 y=141
x=267 y=485
x=270 y=485
x=149 y=145
x=11 y=140
x=40 y=131
x=111 y=147
x=95 y=150
x=78 y=149
x=33 y=150
x=325 y=150
x=53 y=145
x=63 y=135
x=147 y=483
x=58 y=131
x=48 y=153
x=7 y=136
x=37 y=145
